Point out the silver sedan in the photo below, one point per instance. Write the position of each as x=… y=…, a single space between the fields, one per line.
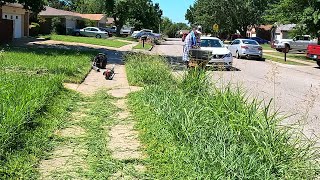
x=245 y=48
x=94 y=32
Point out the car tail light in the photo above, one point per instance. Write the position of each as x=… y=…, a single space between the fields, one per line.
x=244 y=47
x=260 y=48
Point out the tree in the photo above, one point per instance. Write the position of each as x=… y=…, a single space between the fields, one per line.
x=231 y=15
x=304 y=13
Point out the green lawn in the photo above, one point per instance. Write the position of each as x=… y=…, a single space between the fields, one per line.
x=125 y=38
x=281 y=60
x=293 y=56
x=73 y=65
x=88 y=40
x=146 y=46
x=266 y=46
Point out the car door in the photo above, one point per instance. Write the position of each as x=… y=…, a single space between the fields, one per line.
x=232 y=48
x=297 y=43
x=85 y=32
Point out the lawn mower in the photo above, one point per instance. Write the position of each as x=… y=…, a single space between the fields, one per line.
x=109 y=73
x=99 y=62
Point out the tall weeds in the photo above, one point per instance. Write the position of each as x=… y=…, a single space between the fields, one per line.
x=194 y=130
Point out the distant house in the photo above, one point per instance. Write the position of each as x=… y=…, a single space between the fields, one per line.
x=70 y=20
x=15 y=21
x=282 y=31
x=262 y=31
x=99 y=19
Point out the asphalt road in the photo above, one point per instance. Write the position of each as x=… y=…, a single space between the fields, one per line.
x=294 y=89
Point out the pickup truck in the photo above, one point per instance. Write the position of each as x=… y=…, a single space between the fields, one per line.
x=299 y=43
x=313 y=52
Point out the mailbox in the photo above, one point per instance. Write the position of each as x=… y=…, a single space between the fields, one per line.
x=143 y=38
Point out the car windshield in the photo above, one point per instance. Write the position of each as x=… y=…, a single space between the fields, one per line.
x=211 y=43
x=250 y=42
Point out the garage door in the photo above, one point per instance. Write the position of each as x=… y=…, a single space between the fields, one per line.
x=17 y=24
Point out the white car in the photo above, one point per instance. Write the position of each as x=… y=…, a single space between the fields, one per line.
x=245 y=48
x=93 y=32
x=220 y=54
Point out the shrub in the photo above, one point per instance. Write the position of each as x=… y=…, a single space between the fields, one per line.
x=34 y=29
x=58 y=26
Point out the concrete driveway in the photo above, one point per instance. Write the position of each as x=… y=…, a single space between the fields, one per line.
x=294 y=89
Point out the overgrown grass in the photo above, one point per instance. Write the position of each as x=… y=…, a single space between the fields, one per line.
x=87 y=40
x=194 y=130
x=28 y=126
x=145 y=70
x=140 y=46
x=72 y=64
x=281 y=60
x=33 y=103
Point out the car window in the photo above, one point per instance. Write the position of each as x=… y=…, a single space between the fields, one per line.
x=94 y=29
x=235 y=42
x=211 y=43
x=306 y=38
x=250 y=42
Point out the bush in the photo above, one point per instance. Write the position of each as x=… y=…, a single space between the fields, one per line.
x=194 y=130
x=147 y=70
x=34 y=29
x=58 y=27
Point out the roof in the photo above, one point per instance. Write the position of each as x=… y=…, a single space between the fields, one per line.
x=57 y=12
x=266 y=27
x=16 y=5
x=93 y=17
x=286 y=27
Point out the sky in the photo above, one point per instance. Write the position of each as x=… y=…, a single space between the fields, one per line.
x=175 y=9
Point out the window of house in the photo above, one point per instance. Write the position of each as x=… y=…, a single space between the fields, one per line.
x=17 y=17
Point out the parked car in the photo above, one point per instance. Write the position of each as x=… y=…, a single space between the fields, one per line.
x=313 y=52
x=220 y=54
x=92 y=32
x=149 y=34
x=260 y=40
x=123 y=31
x=245 y=48
x=299 y=43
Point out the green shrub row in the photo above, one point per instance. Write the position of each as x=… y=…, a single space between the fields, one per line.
x=194 y=130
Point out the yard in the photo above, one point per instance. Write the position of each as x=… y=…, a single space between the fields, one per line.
x=88 y=40
x=34 y=103
x=147 y=46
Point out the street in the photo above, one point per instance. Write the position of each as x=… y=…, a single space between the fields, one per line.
x=294 y=89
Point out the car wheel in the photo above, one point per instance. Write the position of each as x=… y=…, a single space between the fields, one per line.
x=77 y=34
x=318 y=62
x=238 y=55
x=98 y=36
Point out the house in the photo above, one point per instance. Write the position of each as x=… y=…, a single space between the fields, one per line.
x=262 y=31
x=282 y=31
x=70 y=20
x=98 y=19
x=15 y=21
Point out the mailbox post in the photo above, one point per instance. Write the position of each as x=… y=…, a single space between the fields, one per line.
x=143 y=38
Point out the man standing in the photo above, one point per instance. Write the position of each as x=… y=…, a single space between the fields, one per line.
x=190 y=42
